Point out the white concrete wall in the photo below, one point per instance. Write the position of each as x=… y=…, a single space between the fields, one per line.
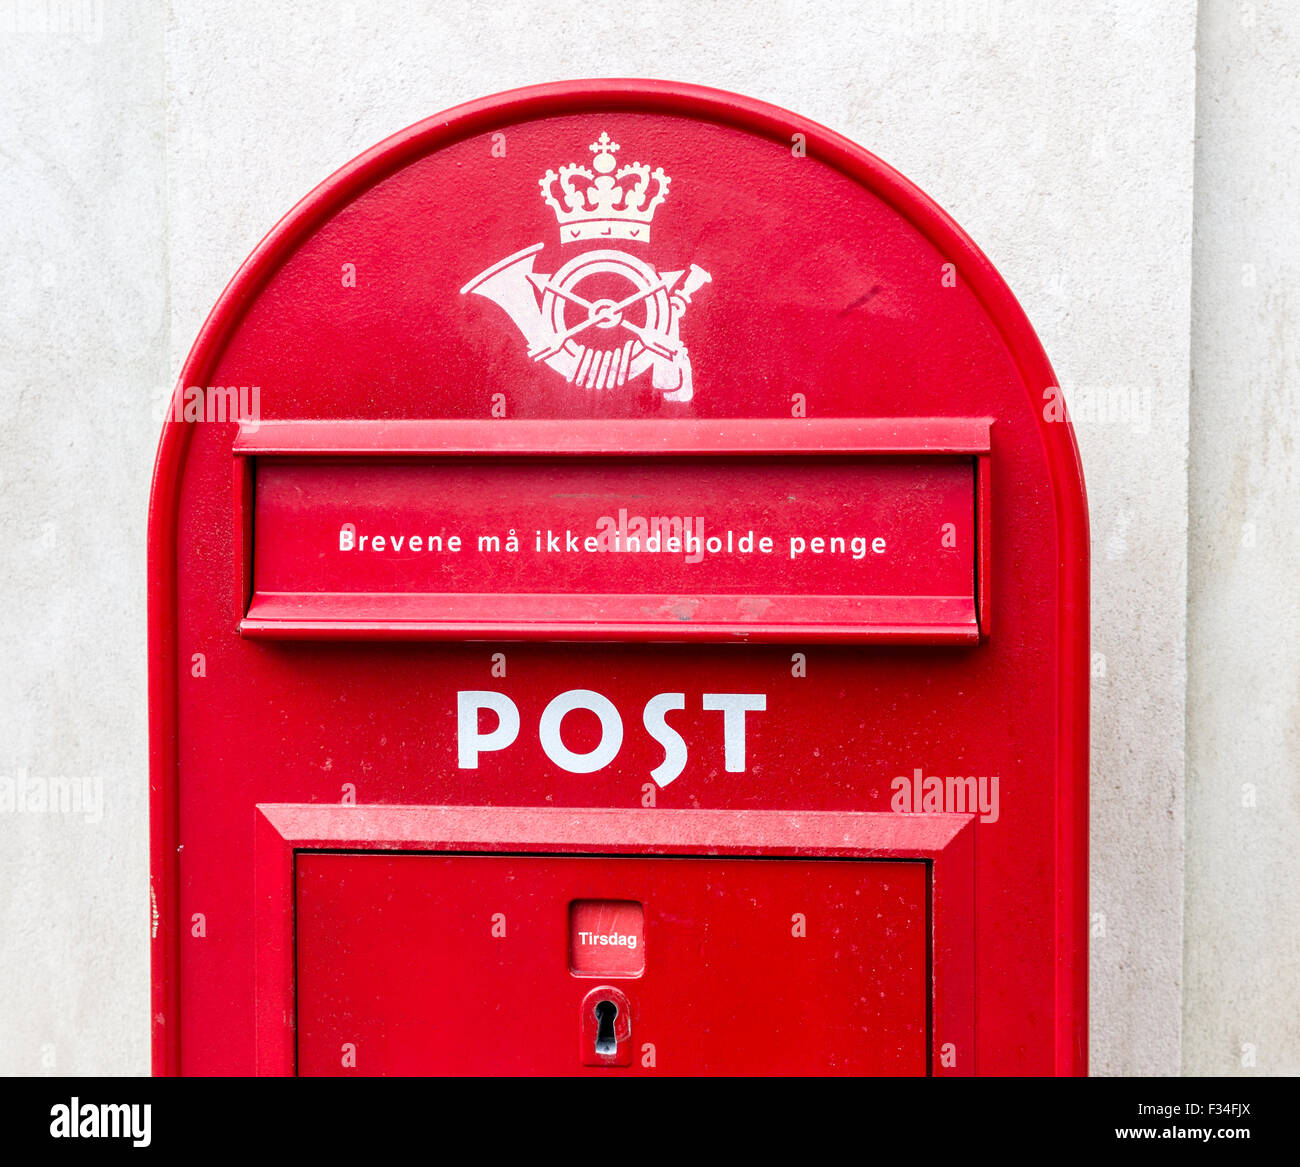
x=83 y=346
x=144 y=151
x=1242 y=954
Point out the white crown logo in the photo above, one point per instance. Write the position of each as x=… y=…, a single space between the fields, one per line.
x=607 y=203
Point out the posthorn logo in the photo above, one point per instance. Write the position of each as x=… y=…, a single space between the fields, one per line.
x=606 y=316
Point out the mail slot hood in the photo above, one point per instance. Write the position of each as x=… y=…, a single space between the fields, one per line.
x=852 y=531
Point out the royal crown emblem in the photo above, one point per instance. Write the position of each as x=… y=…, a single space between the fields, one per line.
x=606 y=316
x=605 y=203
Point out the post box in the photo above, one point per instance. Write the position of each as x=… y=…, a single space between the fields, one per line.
x=618 y=606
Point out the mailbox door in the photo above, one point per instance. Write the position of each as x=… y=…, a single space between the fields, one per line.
x=455 y=964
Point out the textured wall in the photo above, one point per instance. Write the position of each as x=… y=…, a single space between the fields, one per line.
x=144 y=155
x=1243 y=682
x=83 y=351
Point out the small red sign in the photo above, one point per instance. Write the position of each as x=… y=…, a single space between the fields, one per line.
x=606 y=938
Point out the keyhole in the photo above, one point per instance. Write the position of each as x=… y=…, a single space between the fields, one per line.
x=606 y=1011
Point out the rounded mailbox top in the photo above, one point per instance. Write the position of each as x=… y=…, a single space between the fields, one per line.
x=623 y=248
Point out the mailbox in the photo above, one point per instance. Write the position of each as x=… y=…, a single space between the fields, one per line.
x=618 y=606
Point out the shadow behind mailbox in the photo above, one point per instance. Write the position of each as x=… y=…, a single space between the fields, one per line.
x=633 y=621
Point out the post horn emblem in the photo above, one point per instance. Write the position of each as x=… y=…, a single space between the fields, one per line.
x=605 y=316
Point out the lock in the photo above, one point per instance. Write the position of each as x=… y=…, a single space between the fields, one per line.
x=605 y=1028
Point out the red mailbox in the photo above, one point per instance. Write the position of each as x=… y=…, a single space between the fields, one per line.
x=618 y=605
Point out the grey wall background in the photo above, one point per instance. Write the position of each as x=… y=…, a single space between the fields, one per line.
x=1131 y=167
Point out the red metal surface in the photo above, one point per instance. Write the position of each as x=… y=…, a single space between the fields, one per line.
x=427 y=980
x=838 y=289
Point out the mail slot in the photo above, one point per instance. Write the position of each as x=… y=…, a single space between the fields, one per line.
x=618 y=606
x=803 y=530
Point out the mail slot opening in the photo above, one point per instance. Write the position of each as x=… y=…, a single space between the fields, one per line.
x=676 y=541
